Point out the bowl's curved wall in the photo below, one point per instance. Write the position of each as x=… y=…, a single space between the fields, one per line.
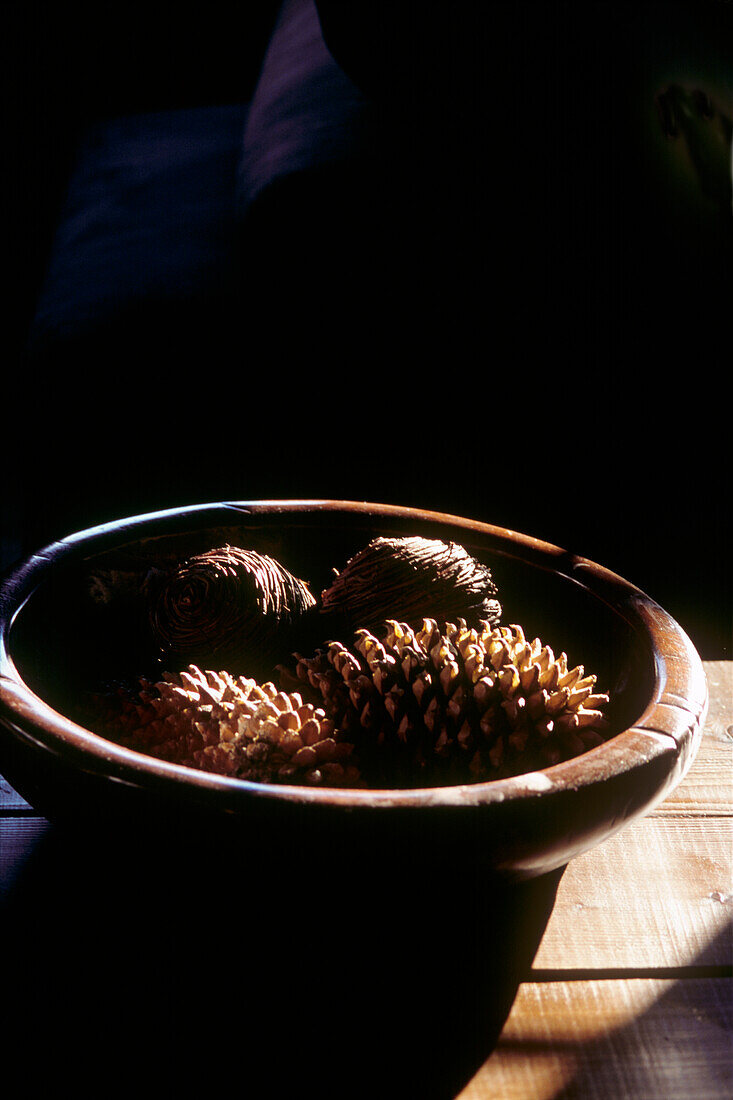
x=68 y=618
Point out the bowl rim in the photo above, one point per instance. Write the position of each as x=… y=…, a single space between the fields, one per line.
x=671 y=724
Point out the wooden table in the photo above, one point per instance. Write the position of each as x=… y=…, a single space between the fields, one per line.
x=629 y=995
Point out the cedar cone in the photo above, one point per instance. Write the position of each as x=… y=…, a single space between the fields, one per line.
x=408 y=579
x=228 y=608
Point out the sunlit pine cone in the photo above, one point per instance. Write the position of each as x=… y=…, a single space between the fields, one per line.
x=236 y=727
x=456 y=704
x=284 y=741
x=534 y=710
x=408 y=579
x=383 y=693
x=228 y=608
x=181 y=713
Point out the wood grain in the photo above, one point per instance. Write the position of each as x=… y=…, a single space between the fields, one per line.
x=10 y=800
x=708 y=787
x=18 y=838
x=656 y=895
x=637 y=1039
x=707 y=790
x=719 y=722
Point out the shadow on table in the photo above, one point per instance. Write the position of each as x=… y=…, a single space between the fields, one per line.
x=190 y=966
x=674 y=1041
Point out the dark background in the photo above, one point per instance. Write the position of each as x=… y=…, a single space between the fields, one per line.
x=524 y=319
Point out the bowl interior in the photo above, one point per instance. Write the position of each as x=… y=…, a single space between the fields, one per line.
x=85 y=623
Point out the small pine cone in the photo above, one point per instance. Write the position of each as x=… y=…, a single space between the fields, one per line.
x=214 y=722
x=183 y=712
x=119 y=708
x=284 y=740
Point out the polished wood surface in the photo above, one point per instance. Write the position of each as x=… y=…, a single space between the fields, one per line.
x=629 y=992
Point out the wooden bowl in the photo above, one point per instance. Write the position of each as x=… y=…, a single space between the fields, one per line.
x=54 y=636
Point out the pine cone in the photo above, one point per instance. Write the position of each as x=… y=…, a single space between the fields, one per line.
x=453 y=705
x=408 y=579
x=209 y=720
x=228 y=608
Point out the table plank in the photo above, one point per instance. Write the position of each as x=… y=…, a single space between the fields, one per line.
x=656 y=895
x=19 y=836
x=720 y=689
x=634 y=1039
x=708 y=787
x=10 y=800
